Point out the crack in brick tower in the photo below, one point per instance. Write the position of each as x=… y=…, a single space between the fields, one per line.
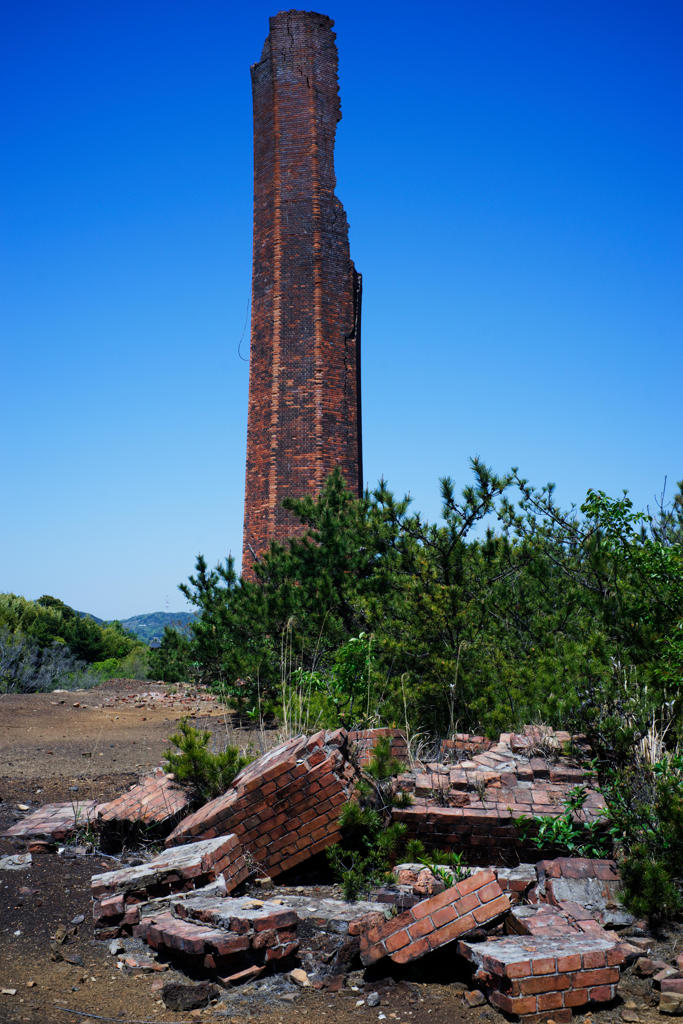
x=304 y=377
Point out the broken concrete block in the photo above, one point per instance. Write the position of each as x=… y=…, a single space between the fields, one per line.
x=436 y=921
x=54 y=823
x=154 y=802
x=586 y=888
x=536 y=978
x=118 y=895
x=284 y=807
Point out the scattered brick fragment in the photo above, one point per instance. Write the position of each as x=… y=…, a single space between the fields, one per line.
x=119 y=895
x=436 y=921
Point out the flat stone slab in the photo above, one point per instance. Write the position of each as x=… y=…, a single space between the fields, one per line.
x=540 y=977
x=284 y=808
x=434 y=922
x=16 y=862
x=54 y=822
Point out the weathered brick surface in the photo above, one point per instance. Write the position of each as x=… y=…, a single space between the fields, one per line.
x=529 y=976
x=362 y=743
x=474 y=803
x=436 y=921
x=284 y=807
x=153 y=801
x=53 y=823
x=119 y=895
x=584 y=888
x=304 y=376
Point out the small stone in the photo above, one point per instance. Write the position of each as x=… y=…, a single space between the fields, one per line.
x=8 y=992
x=300 y=978
x=78 y=919
x=15 y=862
x=23 y=807
x=189 y=997
x=30 y=984
x=116 y=946
x=629 y=1015
x=671 y=1003
x=265 y=883
x=475 y=998
x=373 y=999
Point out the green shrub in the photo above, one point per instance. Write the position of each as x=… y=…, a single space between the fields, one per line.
x=371 y=841
x=205 y=773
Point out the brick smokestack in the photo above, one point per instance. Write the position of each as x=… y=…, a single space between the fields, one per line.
x=304 y=375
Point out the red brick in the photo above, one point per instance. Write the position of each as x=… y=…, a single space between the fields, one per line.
x=550 y=1001
x=570 y=962
x=594 y=958
x=604 y=976
x=545 y=983
x=602 y=994
x=576 y=997
x=412 y=952
x=397 y=940
x=493 y=909
x=544 y=965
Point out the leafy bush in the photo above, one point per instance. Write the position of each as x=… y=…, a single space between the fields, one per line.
x=565 y=833
x=28 y=667
x=206 y=773
x=371 y=842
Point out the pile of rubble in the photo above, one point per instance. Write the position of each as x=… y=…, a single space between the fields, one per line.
x=537 y=939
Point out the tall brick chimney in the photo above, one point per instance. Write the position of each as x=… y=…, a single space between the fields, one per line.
x=304 y=375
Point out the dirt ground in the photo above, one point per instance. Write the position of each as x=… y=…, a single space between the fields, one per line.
x=93 y=745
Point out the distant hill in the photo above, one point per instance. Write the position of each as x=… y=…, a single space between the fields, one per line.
x=152 y=625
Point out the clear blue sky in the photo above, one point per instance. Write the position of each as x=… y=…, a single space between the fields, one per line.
x=513 y=177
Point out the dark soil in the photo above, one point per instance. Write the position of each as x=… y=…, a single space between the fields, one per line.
x=93 y=745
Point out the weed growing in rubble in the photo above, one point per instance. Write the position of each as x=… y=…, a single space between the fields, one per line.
x=371 y=842
x=197 y=767
x=564 y=832
x=447 y=865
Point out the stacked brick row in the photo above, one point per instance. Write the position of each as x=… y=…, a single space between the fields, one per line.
x=434 y=922
x=475 y=803
x=284 y=807
x=237 y=934
x=119 y=896
x=362 y=743
x=304 y=376
x=537 y=978
x=226 y=936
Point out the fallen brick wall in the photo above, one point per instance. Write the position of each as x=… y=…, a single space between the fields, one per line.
x=284 y=808
x=155 y=803
x=118 y=896
x=436 y=921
